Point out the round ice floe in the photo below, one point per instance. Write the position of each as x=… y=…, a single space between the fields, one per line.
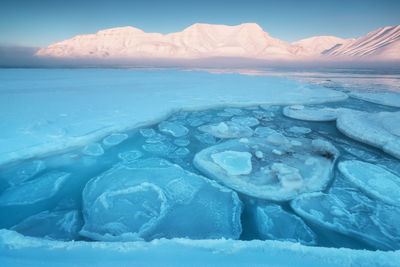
x=387 y=98
x=227 y=130
x=94 y=149
x=299 y=130
x=246 y=121
x=381 y=129
x=351 y=214
x=151 y=200
x=147 y=133
x=114 y=139
x=23 y=172
x=275 y=223
x=278 y=170
x=310 y=113
x=375 y=181
x=132 y=155
x=264 y=131
x=160 y=149
x=61 y=225
x=181 y=142
x=173 y=128
x=39 y=189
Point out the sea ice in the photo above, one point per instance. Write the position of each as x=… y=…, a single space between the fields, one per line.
x=299 y=130
x=227 y=130
x=150 y=201
x=172 y=128
x=94 y=149
x=206 y=138
x=147 y=133
x=114 y=139
x=381 y=129
x=300 y=112
x=233 y=162
x=277 y=224
x=283 y=171
x=373 y=180
x=352 y=214
x=23 y=172
x=386 y=98
x=160 y=149
x=264 y=131
x=31 y=192
x=246 y=121
x=131 y=155
x=156 y=138
x=60 y=225
x=182 y=142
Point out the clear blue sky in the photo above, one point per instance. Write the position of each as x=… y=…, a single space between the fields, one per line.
x=41 y=22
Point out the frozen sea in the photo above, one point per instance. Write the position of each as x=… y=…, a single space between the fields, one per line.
x=281 y=167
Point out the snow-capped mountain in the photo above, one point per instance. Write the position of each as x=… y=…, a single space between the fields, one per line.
x=196 y=41
x=317 y=44
x=206 y=40
x=383 y=43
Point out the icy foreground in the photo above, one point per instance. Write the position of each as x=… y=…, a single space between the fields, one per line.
x=159 y=197
x=17 y=250
x=98 y=102
x=199 y=178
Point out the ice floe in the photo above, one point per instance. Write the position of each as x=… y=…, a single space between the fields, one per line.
x=373 y=180
x=23 y=172
x=278 y=171
x=310 y=113
x=351 y=214
x=131 y=155
x=60 y=225
x=114 y=139
x=227 y=130
x=94 y=149
x=275 y=223
x=41 y=188
x=383 y=98
x=154 y=200
x=380 y=129
x=173 y=129
x=246 y=121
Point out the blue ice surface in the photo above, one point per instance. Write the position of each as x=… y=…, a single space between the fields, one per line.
x=342 y=214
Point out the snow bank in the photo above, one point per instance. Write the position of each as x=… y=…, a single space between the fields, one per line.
x=48 y=110
x=18 y=250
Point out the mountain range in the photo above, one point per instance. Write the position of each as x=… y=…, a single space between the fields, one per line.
x=247 y=40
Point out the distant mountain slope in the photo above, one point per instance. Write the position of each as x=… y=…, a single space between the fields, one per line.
x=317 y=44
x=247 y=40
x=196 y=41
x=383 y=43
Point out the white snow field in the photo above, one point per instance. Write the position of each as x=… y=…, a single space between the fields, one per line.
x=164 y=167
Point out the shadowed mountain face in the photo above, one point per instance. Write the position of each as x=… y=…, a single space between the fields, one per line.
x=383 y=43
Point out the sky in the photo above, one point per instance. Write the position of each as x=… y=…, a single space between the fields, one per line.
x=38 y=23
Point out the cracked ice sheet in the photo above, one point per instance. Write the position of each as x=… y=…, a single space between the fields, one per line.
x=46 y=110
x=18 y=250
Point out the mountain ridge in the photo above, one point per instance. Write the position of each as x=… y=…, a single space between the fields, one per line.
x=200 y=40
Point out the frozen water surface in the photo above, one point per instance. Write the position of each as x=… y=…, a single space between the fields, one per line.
x=242 y=171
